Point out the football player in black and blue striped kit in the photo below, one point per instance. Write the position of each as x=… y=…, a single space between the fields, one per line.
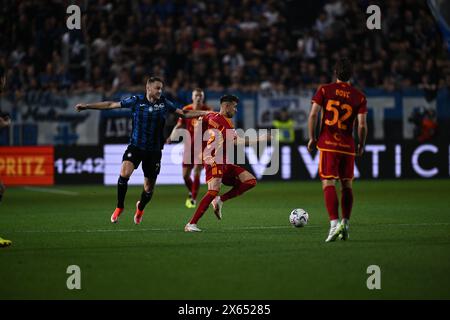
x=149 y=114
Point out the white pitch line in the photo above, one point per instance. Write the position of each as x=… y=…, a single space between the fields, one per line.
x=225 y=229
x=51 y=190
x=146 y=229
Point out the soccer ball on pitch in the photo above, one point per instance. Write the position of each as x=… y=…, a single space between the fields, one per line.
x=298 y=218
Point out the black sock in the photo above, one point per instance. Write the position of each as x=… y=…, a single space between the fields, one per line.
x=145 y=198
x=122 y=186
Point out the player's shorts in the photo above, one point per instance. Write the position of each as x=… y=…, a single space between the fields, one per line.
x=336 y=165
x=227 y=172
x=151 y=160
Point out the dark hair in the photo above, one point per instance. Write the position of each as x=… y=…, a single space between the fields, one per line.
x=229 y=98
x=154 y=79
x=343 y=69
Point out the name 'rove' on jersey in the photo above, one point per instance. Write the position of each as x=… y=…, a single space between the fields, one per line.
x=341 y=103
x=148 y=120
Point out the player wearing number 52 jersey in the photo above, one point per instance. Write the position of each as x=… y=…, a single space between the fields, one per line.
x=340 y=105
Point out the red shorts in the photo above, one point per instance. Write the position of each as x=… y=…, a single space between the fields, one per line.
x=227 y=172
x=336 y=165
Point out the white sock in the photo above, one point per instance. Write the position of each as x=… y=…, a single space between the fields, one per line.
x=333 y=223
x=345 y=221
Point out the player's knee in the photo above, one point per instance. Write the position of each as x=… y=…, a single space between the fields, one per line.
x=148 y=187
x=126 y=173
x=213 y=193
x=127 y=169
x=328 y=183
x=346 y=184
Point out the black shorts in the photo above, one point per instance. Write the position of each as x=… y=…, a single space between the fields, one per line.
x=151 y=160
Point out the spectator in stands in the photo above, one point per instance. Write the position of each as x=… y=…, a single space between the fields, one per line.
x=231 y=39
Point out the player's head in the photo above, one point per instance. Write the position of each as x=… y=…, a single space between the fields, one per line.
x=198 y=96
x=228 y=104
x=343 y=69
x=154 y=87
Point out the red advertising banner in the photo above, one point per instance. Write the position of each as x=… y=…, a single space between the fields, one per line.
x=27 y=165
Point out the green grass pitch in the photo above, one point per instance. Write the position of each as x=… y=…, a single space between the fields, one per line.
x=253 y=253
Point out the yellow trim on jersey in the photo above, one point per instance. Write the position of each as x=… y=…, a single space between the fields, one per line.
x=338 y=151
x=320 y=163
x=229 y=122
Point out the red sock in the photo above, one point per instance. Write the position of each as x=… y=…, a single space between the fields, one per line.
x=203 y=206
x=188 y=183
x=238 y=189
x=195 y=187
x=331 y=202
x=346 y=202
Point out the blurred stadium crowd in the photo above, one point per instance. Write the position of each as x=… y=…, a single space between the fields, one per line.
x=242 y=45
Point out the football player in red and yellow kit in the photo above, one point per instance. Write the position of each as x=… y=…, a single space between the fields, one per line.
x=191 y=156
x=341 y=105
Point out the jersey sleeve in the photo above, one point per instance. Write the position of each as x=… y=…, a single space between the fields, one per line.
x=363 y=106
x=129 y=102
x=170 y=106
x=319 y=96
x=205 y=119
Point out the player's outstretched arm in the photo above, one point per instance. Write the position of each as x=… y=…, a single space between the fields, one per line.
x=105 y=105
x=312 y=124
x=187 y=114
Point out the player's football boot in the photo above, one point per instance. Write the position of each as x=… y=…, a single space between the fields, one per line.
x=138 y=215
x=344 y=235
x=116 y=214
x=5 y=243
x=334 y=232
x=190 y=203
x=191 y=228
x=217 y=206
